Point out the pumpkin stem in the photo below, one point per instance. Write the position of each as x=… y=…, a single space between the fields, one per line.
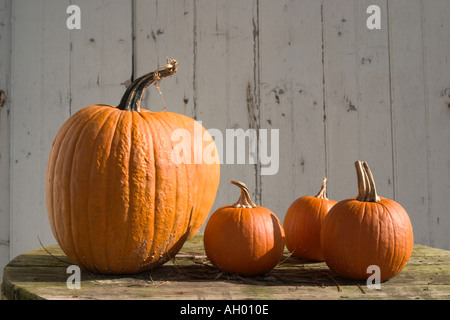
x=366 y=185
x=131 y=100
x=244 y=199
x=323 y=190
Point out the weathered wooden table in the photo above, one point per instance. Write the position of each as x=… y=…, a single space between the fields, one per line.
x=42 y=274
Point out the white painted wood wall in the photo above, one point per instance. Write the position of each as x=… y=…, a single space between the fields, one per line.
x=337 y=91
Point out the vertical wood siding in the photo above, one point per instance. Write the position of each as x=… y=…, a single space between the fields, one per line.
x=336 y=91
x=5 y=113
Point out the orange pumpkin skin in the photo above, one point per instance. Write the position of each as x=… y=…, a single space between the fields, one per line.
x=116 y=202
x=207 y=175
x=303 y=223
x=357 y=234
x=247 y=241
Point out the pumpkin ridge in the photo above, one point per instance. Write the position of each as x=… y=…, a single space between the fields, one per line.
x=114 y=241
x=150 y=187
x=68 y=239
x=387 y=215
x=365 y=225
x=107 y=172
x=406 y=221
x=266 y=232
x=394 y=254
x=92 y=233
x=71 y=123
x=134 y=202
x=169 y=127
x=348 y=251
x=153 y=138
x=379 y=229
x=130 y=212
x=190 y=169
x=86 y=209
x=148 y=116
x=255 y=220
x=406 y=245
x=53 y=160
x=362 y=245
x=109 y=195
x=320 y=218
x=161 y=218
x=72 y=219
x=203 y=188
x=186 y=225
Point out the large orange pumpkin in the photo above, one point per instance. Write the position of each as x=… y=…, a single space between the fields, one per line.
x=303 y=223
x=244 y=238
x=367 y=231
x=116 y=201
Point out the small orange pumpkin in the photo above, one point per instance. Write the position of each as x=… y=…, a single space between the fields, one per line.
x=303 y=223
x=116 y=201
x=244 y=238
x=367 y=231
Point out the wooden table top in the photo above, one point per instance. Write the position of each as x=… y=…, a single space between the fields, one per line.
x=42 y=274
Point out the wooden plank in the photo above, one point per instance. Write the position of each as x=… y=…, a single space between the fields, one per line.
x=164 y=29
x=225 y=36
x=358 y=116
x=40 y=102
x=5 y=109
x=292 y=98
x=436 y=42
x=55 y=101
x=214 y=45
x=373 y=101
x=39 y=275
x=409 y=125
x=101 y=56
x=27 y=88
x=73 y=69
x=40 y=106
x=343 y=134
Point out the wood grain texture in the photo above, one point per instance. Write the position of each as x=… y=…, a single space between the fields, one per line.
x=27 y=158
x=292 y=99
x=224 y=85
x=409 y=122
x=336 y=91
x=164 y=29
x=39 y=275
x=5 y=122
x=56 y=72
x=343 y=132
x=435 y=33
x=101 y=53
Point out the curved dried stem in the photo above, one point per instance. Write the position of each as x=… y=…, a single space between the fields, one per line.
x=366 y=184
x=244 y=199
x=372 y=194
x=323 y=190
x=131 y=100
